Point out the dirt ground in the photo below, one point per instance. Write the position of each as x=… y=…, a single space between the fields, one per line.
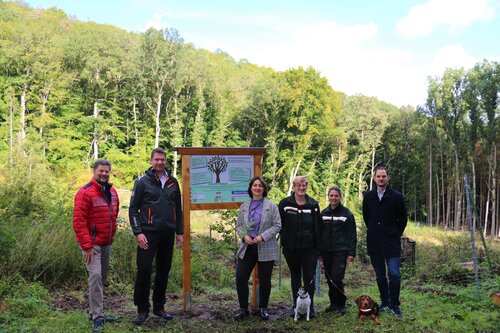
x=219 y=307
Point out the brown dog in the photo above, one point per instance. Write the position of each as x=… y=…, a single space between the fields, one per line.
x=495 y=298
x=368 y=308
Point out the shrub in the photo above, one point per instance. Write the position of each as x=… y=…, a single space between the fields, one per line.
x=22 y=299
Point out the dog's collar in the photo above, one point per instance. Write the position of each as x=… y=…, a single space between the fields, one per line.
x=303 y=296
x=365 y=310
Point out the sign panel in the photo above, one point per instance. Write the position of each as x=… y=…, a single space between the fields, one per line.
x=220 y=178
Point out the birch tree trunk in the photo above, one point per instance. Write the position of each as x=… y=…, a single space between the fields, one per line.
x=23 y=113
x=11 y=129
x=157 y=119
x=293 y=174
x=493 y=187
x=438 y=207
x=430 y=208
x=458 y=194
x=443 y=192
x=473 y=212
x=372 y=168
x=95 y=144
x=134 y=114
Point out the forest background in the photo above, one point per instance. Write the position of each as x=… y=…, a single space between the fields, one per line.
x=72 y=92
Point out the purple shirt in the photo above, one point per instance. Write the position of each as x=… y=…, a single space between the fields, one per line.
x=254 y=216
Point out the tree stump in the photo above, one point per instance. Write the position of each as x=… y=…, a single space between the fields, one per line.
x=408 y=252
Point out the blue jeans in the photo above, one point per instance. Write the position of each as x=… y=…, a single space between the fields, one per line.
x=388 y=281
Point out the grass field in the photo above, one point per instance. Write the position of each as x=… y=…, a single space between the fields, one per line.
x=438 y=294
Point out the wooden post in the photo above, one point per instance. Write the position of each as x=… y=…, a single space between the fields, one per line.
x=186 y=248
x=255 y=285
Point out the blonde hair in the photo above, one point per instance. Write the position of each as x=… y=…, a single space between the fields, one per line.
x=300 y=179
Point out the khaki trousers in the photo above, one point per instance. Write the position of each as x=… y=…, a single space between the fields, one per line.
x=98 y=270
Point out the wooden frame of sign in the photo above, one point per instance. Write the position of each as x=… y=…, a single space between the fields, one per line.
x=187 y=152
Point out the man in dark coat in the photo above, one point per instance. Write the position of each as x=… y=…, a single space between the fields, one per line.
x=384 y=213
x=156 y=220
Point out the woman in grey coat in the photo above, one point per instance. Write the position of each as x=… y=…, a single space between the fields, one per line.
x=257 y=226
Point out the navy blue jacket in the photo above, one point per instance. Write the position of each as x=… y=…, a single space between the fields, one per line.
x=385 y=221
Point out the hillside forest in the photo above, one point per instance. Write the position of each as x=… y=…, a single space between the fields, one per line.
x=72 y=92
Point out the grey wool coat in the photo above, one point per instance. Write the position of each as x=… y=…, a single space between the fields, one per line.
x=270 y=226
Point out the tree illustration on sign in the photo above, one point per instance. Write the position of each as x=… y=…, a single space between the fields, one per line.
x=217 y=165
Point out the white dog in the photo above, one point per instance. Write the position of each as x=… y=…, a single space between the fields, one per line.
x=303 y=305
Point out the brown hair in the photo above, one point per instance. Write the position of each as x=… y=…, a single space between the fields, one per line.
x=335 y=188
x=380 y=167
x=102 y=162
x=263 y=182
x=158 y=150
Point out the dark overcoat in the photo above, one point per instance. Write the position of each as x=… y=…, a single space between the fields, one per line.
x=385 y=221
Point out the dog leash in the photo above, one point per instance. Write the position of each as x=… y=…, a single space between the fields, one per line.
x=333 y=283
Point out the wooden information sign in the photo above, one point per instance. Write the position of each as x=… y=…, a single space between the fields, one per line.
x=214 y=178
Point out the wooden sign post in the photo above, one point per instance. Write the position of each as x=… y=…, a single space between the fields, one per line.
x=201 y=192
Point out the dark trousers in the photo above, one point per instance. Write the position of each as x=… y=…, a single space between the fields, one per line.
x=302 y=266
x=244 y=269
x=389 y=290
x=335 y=265
x=161 y=246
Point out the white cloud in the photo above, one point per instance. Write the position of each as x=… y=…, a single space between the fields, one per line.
x=451 y=56
x=350 y=56
x=341 y=54
x=156 y=22
x=454 y=14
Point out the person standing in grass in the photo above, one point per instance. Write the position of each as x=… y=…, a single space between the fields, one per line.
x=257 y=225
x=384 y=213
x=337 y=244
x=155 y=215
x=94 y=222
x=300 y=216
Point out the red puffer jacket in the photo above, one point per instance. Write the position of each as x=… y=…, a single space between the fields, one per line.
x=94 y=217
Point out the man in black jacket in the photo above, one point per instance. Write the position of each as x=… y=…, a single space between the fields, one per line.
x=384 y=213
x=156 y=217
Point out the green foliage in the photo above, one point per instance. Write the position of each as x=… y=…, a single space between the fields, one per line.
x=122 y=268
x=50 y=253
x=20 y=299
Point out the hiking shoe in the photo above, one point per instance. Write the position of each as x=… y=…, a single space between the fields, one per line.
x=241 y=313
x=162 y=314
x=106 y=319
x=342 y=310
x=331 y=308
x=383 y=308
x=98 y=325
x=141 y=318
x=397 y=312
x=264 y=315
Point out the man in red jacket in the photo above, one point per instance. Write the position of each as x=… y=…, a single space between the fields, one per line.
x=94 y=222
